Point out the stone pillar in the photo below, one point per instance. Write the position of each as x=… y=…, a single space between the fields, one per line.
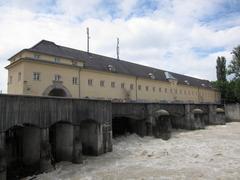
x=46 y=157
x=149 y=126
x=187 y=124
x=3 y=160
x=193 y=118
x=220 y=116
x=107 y=138
x=212 y=114
x=77 y=146
x=198 y=121
x=91 y=134
x=162 y=126
x=100 y=139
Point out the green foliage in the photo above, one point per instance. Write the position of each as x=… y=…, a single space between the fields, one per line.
x=223 y=87
x=234 y=66
x=236 y=89
x=230 y=95
x=221 y=68
x=230 y=90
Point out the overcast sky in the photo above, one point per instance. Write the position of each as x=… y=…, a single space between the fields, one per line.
x=184 y=36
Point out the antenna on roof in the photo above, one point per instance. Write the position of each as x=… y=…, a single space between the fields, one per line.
x=117 y=48
x=88 y=37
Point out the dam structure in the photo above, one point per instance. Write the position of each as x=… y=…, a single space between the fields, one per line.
x=63 y=104
x=37 y=131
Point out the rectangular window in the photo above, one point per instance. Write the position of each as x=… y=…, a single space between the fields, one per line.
x=165 y=90
x=57 y=60
x=146 y=88
x=75 y=80
x=90 y=82
x=153 y=89
x=19 y=76
x=57 y=77
x=10 y=79
x=112 y=84
x=131 y=86
x=139 y=87
x=160 y=89
x=175 y=91
x=180 y=91
x=36 y=56
x=36 y=76
x=102 y=83
x=170 y=90
x=122 y=85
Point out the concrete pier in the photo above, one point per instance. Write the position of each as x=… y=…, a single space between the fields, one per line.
x=37 y=132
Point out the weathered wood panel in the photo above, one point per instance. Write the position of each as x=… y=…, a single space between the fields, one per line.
x=45 y=111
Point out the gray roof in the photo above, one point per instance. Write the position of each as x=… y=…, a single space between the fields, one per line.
x=101 y=63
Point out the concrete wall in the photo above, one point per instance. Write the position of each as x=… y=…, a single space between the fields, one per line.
x=91 y=137
x=232 y=112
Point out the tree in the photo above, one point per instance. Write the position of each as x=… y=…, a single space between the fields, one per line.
x=221 y=68
x=234 y=66
x=230 y=90
x=221 y=82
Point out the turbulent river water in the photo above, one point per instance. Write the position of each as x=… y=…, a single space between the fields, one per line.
x=212 y=153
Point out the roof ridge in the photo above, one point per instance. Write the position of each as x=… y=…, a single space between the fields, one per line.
x=117 y=60
x=42 y=41
x=107 y=58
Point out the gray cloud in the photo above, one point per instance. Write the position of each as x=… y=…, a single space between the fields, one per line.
x=164 y=39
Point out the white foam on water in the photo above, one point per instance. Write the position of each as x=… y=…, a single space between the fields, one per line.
x=212 y=153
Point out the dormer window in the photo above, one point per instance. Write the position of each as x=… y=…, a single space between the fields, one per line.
x=186 y=82
x=151 y=75
x=203 y=85
x=169 y=76
x=36 y=56
x=111 y=68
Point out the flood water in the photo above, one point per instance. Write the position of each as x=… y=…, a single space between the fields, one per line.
x=212 y=153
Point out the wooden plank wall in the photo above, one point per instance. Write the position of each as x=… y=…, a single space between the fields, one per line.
x=45 y=111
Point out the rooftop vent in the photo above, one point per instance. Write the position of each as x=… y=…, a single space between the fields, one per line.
x=111 y=68
x=169 y=76
x=151 y=75
x=186 y=81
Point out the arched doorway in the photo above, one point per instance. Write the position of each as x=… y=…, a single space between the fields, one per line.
x=57 y=92
x=57 y=89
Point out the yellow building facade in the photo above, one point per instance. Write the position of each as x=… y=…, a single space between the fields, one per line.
x=48 y=69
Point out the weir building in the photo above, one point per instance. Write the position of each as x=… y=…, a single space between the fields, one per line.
x=102 y=98
x=48 y=69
